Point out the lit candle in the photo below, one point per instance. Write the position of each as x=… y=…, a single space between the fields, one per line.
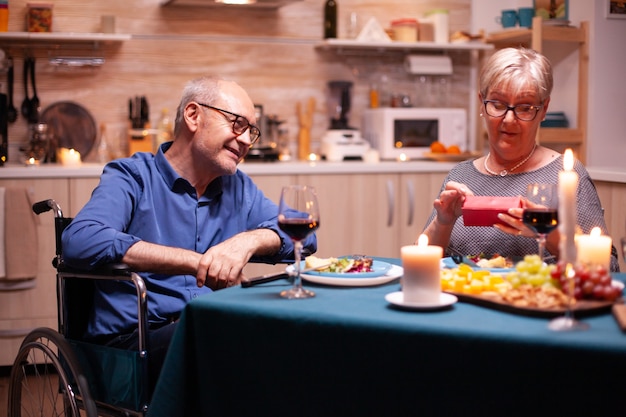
x=594 y=248
x=568 y=185
x=69 y=157
x=421 y=282
x=32 y=162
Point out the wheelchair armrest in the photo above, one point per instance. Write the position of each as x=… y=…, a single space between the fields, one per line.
x=115 y=272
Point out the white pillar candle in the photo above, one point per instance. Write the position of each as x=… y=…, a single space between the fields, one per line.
x=421 y=282
x=69 y=157
x=568 y=186
x=594 y=248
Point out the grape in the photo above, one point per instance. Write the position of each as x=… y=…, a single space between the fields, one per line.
x=590 y=282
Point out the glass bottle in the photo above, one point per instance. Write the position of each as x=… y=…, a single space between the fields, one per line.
x=165 y=128
x=330 y=19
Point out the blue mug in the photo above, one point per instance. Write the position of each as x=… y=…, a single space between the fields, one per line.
x=525 y=16
x=508 y=19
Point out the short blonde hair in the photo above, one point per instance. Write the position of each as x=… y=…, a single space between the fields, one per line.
x=517 y=69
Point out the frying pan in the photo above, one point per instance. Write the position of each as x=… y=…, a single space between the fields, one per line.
x=72 y=125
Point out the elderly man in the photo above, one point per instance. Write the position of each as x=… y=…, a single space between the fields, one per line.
x=185 y=216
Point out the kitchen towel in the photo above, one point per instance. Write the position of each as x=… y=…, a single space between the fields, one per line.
x=20 y=240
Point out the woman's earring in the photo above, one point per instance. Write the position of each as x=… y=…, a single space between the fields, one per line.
x=481 y=115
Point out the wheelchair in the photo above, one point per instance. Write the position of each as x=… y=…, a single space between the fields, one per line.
x=55 y=373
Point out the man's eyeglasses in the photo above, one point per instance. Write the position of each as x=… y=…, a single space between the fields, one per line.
x=240 y=124
x=525 y=112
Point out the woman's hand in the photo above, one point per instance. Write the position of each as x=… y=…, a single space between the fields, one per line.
x=450 y=202
x=514 y=224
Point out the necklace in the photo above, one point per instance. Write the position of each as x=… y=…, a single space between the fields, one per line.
x=504 y=172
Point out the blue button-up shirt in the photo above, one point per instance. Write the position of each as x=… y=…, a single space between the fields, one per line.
x=143 y=198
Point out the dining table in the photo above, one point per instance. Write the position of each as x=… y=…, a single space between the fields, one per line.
x=349 y=352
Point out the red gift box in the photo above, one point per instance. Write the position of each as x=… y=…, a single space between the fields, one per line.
x=482 y=210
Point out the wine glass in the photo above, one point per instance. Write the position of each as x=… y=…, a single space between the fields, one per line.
x=567 y=322
x=298 y=217
x=541 y=211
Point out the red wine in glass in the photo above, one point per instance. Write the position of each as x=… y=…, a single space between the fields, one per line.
x=298 y=217
x=540 y=213
x=541 y=220
x=298 y=229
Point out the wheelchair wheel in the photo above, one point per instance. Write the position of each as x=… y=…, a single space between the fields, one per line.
x=46 y=379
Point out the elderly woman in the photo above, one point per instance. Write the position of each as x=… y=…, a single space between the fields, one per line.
x=515 y=87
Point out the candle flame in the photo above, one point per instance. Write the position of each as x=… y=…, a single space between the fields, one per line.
x=595 y=232
x=422 y=240
x=568 y=160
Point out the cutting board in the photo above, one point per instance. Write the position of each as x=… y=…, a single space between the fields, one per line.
x=582 y=308
x=72 y=125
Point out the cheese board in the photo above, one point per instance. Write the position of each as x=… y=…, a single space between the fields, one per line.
x=582 y=308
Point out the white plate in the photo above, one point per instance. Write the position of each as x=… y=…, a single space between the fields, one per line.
x=379 y=269
x=448 y=263
x=394 y=272
x=397 y=299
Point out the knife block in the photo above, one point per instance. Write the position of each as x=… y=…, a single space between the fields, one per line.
x=141 y=140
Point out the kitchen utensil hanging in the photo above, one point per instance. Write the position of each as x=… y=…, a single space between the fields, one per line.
x=33 y=116
x=11 y=110
x=25 y=107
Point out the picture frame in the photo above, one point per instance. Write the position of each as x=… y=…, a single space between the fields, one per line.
x=552 y=9
x=615 y=9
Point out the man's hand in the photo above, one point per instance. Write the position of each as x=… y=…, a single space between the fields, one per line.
x=222 y=265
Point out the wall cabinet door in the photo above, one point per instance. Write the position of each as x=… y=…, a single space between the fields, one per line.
x=271 y=185
x=417 y=191
x=358 y=213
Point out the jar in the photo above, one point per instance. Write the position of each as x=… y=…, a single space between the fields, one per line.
x=440 y=20
x=4 y=15
x=404 y=30
x=39 y=17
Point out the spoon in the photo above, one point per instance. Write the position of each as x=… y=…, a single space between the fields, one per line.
x=34 y=101
x=25 y=109
x=11 y=110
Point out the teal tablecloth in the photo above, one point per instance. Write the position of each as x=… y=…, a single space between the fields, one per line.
x=347 y=352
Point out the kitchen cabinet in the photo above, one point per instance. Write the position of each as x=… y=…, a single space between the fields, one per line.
x=23 y=310
x=613 y=198
x=536 y=38
x=366 y=214
x=372 y=214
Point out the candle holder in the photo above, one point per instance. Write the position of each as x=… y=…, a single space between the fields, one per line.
x=567 y=322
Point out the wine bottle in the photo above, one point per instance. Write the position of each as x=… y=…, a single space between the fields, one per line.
x=330 y=19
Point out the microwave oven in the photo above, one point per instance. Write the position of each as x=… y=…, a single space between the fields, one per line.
x=395 y=131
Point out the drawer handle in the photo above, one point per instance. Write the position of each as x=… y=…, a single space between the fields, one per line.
x=410 y=190
x=390 y=203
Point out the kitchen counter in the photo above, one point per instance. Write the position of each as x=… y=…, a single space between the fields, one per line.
x=87 y=170
x=93 y=170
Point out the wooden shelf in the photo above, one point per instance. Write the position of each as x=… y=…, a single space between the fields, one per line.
x=347 y=45
x=543 y=31
x=62 y=37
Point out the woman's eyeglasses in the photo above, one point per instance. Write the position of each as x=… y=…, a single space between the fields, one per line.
x=525 y=112
x=240 y=124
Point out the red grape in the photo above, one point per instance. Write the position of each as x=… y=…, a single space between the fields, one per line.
x=592 y=283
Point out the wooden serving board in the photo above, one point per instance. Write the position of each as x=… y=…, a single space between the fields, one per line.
x=582 y=308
